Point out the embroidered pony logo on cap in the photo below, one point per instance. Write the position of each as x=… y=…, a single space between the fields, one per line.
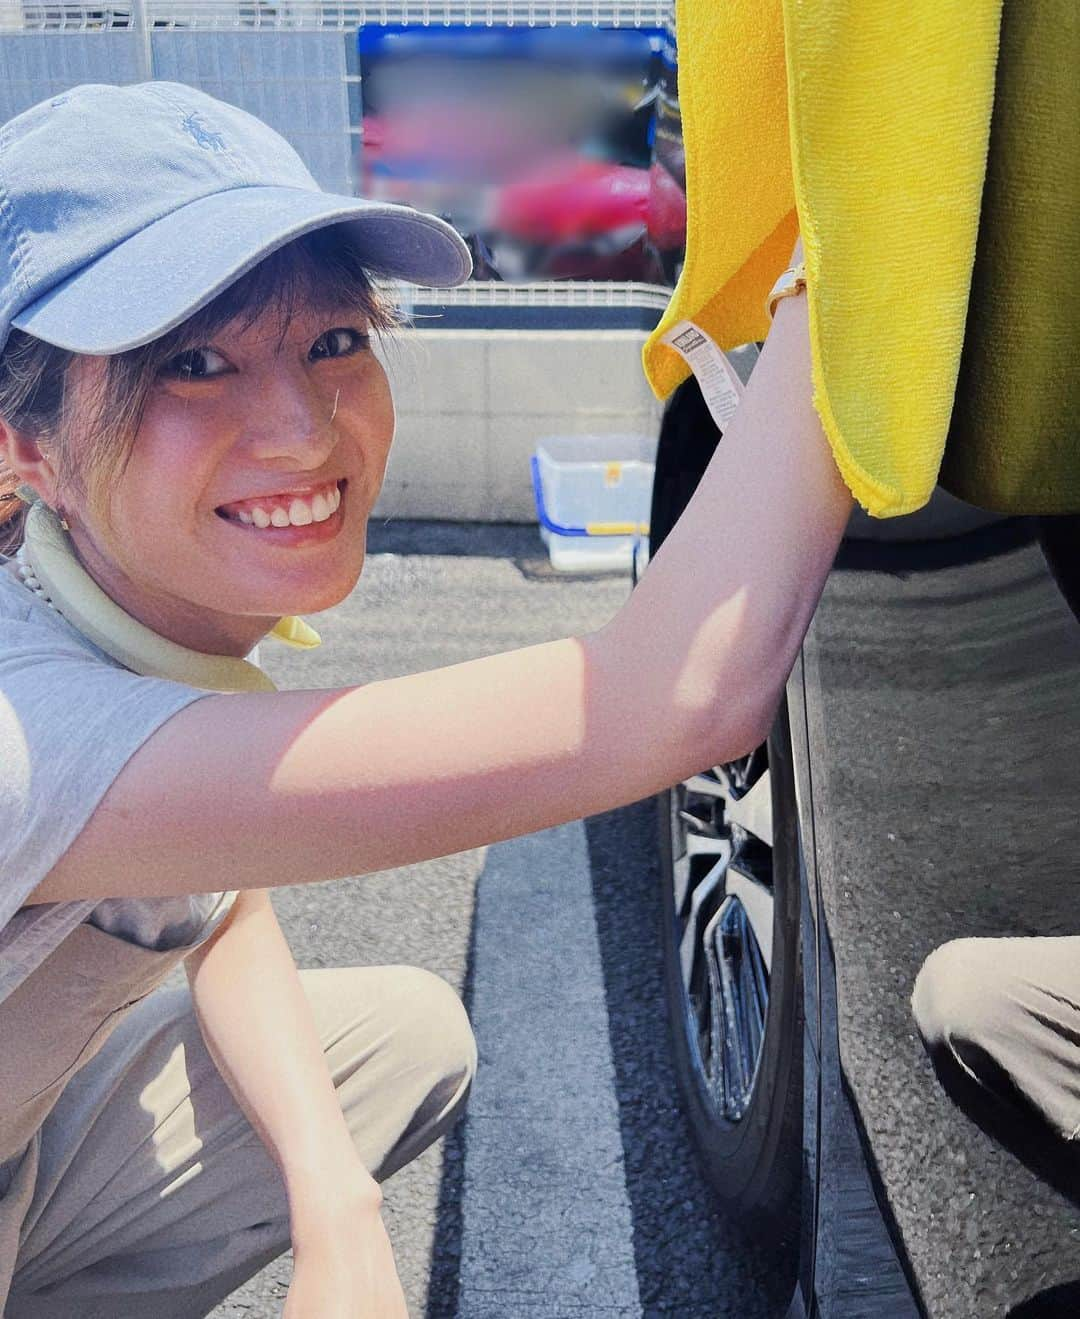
x=207 y=138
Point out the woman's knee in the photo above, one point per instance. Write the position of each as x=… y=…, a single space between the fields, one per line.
x=948 y=999
x=379 y=1022
x=433 y=1060
x=402 y=1054
x=982 y=1009
x=432 y=1025
x=1000 y=1022
x=959 y=997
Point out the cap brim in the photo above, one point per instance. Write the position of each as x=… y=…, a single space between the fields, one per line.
x=157 y=278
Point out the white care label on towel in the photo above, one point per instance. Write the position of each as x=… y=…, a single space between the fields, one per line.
x=720 y=387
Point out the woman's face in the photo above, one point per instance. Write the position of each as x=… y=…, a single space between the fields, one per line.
x=255 y=429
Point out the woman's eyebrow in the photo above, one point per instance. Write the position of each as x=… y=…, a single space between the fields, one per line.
x=319 y=322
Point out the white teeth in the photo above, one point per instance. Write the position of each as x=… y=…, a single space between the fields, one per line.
x=300 y=513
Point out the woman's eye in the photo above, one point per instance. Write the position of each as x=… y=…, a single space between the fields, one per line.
x=340 y=342
x=195 y=364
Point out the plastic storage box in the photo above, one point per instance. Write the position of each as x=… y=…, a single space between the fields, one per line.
x=592 y=499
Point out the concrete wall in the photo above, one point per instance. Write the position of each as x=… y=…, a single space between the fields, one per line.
x=471 y=405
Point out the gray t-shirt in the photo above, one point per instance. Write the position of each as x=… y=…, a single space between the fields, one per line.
x=70 y=719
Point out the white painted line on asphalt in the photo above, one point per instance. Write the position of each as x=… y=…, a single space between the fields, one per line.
x=546 y=1222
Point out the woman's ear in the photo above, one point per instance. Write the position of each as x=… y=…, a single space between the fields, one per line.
x=28 y=462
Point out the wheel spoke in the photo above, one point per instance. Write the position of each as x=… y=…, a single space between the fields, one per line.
x=757 y=901
x=696 y=843
x=707 y=785
x=740 y=994
x=753 y=811
x=693 y=933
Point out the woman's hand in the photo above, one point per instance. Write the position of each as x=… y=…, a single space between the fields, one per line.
x=345 y=1273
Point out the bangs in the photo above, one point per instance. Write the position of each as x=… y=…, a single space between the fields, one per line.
x=321 y=271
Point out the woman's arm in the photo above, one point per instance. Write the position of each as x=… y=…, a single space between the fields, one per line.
x=294 y=787
x=259 y=1030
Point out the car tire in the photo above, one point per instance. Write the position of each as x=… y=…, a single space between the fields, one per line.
x=741 y=1078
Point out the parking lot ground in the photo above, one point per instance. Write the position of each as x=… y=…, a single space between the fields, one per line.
x=570 y=1188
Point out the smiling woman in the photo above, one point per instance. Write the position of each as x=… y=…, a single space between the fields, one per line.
x=190 y=403
x=320 y=271
x=310 y=306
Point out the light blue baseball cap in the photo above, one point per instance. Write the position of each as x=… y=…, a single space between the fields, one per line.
x=123 y=210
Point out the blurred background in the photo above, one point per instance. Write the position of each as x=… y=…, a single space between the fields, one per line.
x=554 y=150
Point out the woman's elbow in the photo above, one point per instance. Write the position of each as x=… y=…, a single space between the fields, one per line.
x=740 y=719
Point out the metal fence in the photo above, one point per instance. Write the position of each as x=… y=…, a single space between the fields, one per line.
x=320 y=14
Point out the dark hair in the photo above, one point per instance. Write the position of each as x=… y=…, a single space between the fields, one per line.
x=319 y=270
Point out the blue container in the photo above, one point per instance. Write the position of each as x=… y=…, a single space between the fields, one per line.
x=592 y=499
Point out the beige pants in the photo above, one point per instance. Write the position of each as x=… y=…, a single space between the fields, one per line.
x=1000 y=1019
x=130 y=1182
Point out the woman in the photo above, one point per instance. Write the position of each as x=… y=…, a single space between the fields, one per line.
x=189 y=399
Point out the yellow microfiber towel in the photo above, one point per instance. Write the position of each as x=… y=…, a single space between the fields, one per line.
x=864 y=124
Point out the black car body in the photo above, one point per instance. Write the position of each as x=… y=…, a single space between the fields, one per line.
x=924 y=786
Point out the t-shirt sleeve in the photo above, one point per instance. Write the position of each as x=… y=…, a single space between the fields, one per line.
x=69 y=722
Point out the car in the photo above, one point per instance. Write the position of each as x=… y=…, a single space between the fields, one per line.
x=920 y=786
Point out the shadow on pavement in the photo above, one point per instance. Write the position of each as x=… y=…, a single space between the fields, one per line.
x=691 y=1262
x=484 y=540
x=445 y=1281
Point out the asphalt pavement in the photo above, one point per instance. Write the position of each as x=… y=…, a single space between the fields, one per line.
x=570 y=1188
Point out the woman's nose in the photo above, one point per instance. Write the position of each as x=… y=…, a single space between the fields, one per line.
x=293 y=424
